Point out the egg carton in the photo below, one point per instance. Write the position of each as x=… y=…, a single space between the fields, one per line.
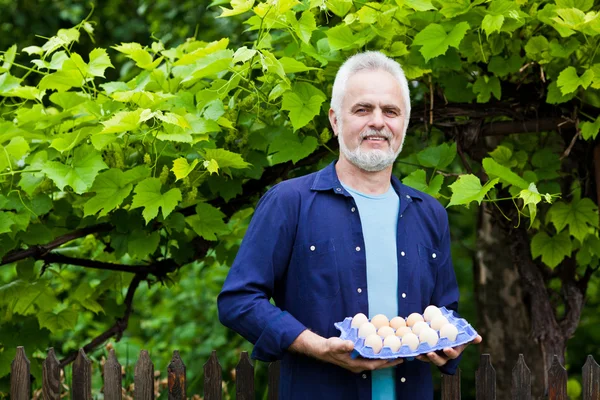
x=466 y=333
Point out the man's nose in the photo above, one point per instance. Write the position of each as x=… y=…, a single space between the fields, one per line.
x=377 y=121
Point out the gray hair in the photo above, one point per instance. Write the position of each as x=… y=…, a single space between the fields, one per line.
x=368 y=61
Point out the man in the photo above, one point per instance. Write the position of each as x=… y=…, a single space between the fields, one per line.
x=347 y=239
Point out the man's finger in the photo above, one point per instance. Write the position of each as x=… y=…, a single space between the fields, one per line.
x=437 y=359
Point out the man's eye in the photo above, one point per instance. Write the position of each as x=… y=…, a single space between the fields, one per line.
x=391 y=113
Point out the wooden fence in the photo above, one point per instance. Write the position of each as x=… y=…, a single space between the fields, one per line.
x=144 y=389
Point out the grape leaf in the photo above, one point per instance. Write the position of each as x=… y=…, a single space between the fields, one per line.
x=99 y=61
x=435 y=41
x=467 y=188
x=492 y=23
x=140 y=244
x=590 y=129
x=211 y=166
x=237 y=7
x=419 y=5
x=340 y=37
x=485 y=86
x=418 y=180
x=303 y=103
x=531 y=197
x=225 y=158
x=552 y=249
x=56 y=322
x=125 y=121
x=437 y=157
x=306 y=26
x=148 y=195
x=80 y=173
x=289 y=146
x=493 y=169
x=111 y=188
x=208 y=222
x=181 y=167
x=568 y=80
x=579 y=215
x=555 y=95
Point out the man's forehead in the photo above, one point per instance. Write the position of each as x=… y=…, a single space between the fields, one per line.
x=373 y=87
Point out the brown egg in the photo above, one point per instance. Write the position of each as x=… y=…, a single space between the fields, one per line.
x=414 y=318
x=359 y=319
x=411 y=340
x=380 y=320
x=438 y=322
x=449 y=331
x=419 y=326
x=393 y=342
x=397 y=322
x=431 y=312
x=429 y=335
x=385 y=331
x=367 y=329
x=375 y=342
x=403 y=331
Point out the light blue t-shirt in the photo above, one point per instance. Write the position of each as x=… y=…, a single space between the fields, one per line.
x=379 y=219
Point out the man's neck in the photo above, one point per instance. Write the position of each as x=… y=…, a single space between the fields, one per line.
x=361 y=180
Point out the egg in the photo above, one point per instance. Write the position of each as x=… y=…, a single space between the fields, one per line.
x=418 y=326
x=367 y=329
x=449 y=331
x=411 y=340
x=431 y=312
x=400 y=332
x=397 y=322
x=438 y=322
x=413 y=318
x=393 y=342
x=374 y=341
x=429 y=336
x=380 y=320
x=359 y=319
x=385 y=331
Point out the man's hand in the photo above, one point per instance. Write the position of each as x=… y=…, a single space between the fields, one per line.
x=450 y=353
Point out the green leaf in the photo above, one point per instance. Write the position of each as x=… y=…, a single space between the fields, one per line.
x=125 y=121
x=435 y=41
x=289 y=146
x=452 y=8
x=306 y=26
x=418 y=180
x=493 y=169
x=339 y=7
x=537 y=47
x=99 y=61
x=56 y=322
x=226 y=159
x=579 y=215
x=531 y=197
x=485 y=86
x=6 y=222
x=340 y=37
x=8 y=83
x=467 y=188
x=63 y=38
x=438 y=157
x=304 y=103
x=148 y=195
x=243 y=54
x=419 y=5
x=590 y=129
x=141 y=244
x=492 y=23
x=555 y=95
x=79 y=173
x=111 y=188
x=552 y=249
x=291 y=66
x=9 y=58
x=137 y=53
x=237 y=7
x=211 y=166
x=568 y=80
x=208 y=222
x=181 y=167
x=69 y=140
x=502 y=67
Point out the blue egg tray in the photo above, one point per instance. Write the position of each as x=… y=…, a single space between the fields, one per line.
x=466 y=333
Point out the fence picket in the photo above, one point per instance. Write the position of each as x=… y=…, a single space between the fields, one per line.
x=51 y=377
x=274 y=380
x=176 y=371
x=82 y=377
x=112 y=378
x=213 y=378
x=591 y=379
x=143 y=386
x=20 y=383
x=451 y=386
x=485 y=379
x=557 y=381
x=244 y=378
x=521 y=380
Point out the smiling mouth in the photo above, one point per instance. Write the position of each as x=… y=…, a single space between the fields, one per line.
x=375 y=138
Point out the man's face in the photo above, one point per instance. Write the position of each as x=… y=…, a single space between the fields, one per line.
x=370 y=128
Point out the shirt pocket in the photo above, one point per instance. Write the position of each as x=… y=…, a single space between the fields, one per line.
x=316 y=270
x=429 y=260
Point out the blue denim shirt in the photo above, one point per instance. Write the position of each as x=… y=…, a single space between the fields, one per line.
x=304 y=248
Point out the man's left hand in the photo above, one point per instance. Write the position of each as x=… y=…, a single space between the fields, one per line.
x=450 y=353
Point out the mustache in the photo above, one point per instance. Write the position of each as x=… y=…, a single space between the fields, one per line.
x=372 y=132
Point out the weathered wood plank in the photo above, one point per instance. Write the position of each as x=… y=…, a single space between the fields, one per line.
x=451 y=386
x=485 y=379
x=244 y=378
x=557 y=381
x=112 y=378
x=521 y=380
x=591 y=379
x=176 y=371
x=20 y=383
x=143 y=388
x=82 y=377
x=51 y=377
x=213 y=378
x=274 y=369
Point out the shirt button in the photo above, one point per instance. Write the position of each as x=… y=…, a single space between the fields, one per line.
x=353 y=209
x=400 y=215
x=402 y=253
x=357 y=248
x=403 y=295
x=312 y=248
x=359 y=290
x=338 y=189
x=434 y=255
x=403 y=379
x=407 y=196
x=364 y=376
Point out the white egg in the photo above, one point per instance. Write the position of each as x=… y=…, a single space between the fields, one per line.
x=431 y=312
x=413 y=319
x=449 y=331
x=429 y=335
x=397 y=322
x=375 y=342
x=393 y=342
x=400 y=332
x=380 y=320
x=359 y=319
x=418 y=326
x=438 y=322
x=385 y=331
x=367 y=329
x=411 y=340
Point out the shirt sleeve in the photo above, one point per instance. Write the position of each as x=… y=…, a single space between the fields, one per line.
x=261 y=264
x=446 y=291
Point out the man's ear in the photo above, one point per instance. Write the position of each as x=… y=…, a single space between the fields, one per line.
x=333 y=121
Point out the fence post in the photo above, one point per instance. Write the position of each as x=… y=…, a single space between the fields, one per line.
x=212 y=378
x=112 y=378
x=82 y=377
x=521 y=380
x=51 y=377
x=176 y=371
x=485 y=379
x=244 y=378
x=451 y=386
x=20 y=383
x=143 y=387
x=557 y=380
x=274 y=370
x=591 y=379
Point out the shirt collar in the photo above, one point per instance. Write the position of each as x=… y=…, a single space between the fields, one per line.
x=327 y=179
